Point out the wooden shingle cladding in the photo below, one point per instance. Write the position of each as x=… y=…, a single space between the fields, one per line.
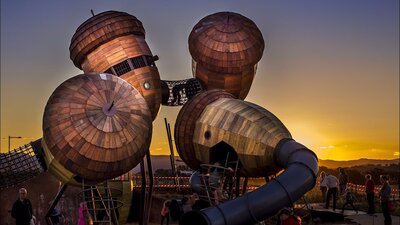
x=215 y=116
x=115 y=42
x=97 y=126
x=226 y=48
x=186 y=122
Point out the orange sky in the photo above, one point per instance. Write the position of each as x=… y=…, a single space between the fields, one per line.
x=329 y=72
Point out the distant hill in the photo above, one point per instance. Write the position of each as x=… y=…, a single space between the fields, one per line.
x=163 y=162
x=160 y=162
x=359 y=162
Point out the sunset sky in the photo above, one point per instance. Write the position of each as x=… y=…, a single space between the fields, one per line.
x=330 y=70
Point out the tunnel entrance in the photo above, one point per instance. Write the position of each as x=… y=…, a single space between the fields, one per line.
x=224 y=154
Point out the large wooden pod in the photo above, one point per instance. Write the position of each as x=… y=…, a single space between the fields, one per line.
x=221 y=123
x=97 y=126
x=114 y=42
x=186 y=123
x=225 y=49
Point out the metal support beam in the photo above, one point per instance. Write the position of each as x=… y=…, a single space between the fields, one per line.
x=150 y=190
x=54 y=203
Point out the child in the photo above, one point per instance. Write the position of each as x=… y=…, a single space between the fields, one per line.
x=165 y=212
x=350 y=199
x=286 y=217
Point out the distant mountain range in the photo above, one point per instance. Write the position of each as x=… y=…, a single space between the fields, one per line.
x=160 y=162
x=359 y=162
x=163 y=162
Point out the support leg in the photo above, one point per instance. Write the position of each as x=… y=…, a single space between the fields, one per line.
x=150 y=191
x=246 y=179
x=54 y=203
x=142 y=209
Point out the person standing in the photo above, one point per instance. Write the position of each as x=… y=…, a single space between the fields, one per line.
x=322 y=185
x=332 y=184
x=55 y=216
x=84 y=216
x=369 y=190
x=343 y=180
x=186 y=205
x=22 y=209
x=165 y=212
x=350 y=199
x=384 y=195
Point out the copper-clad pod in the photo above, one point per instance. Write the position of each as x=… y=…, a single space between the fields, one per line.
x=186 y=123
x=96 y=126
x=226 y=48
x=214 y=122
x=114 y=42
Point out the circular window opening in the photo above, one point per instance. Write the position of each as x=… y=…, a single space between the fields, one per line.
x=207 y=134
x=147 y=85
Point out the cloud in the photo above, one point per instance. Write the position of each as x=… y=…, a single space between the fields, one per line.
x=326 y=147
x=396 y=153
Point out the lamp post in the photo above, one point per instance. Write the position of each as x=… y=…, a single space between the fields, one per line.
x=9 y=141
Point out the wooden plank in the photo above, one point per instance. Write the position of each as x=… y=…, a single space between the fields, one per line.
x=82 y=137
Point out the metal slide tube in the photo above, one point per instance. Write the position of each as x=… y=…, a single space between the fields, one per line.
x=301 y=168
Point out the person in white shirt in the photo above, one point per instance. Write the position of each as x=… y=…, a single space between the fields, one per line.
x=332 y=183
x=322 y=185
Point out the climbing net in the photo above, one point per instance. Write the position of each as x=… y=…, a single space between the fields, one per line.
x=19 y=165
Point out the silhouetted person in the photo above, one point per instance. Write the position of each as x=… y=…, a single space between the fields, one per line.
x=350 y=199
x=186 y=205
x=22 y=209
x=332 y=184
x=343 y=180
x=322 y=185
x=369 y=190
x=384 y=195
x=174 y=210
x=165 y=212
x=55 y=215
x=177 y=91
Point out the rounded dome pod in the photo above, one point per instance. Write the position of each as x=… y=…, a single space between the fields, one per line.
x=97 y=126
x=225 y=49
x=186 y=123
x=214 y=127
x=114 y=42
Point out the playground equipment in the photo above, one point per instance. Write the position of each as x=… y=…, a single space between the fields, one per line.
x=220 y=128
x=225 y=49
x=98 y=125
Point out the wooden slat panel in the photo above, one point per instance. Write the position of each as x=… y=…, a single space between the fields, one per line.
x=250 y=130
x=186 y=121
x=87 y=137
x=95 y=32
x=226 y=44
x=120 y=49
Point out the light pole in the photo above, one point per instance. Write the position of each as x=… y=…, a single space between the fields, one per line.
x=9 y=141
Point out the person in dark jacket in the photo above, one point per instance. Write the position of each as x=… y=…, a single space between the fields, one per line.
x=384 y=195
x=343 y=180
x=22 y=209
x=370 y=191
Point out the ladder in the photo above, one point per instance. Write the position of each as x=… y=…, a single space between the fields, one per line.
x=217 y=187
x=101 y=206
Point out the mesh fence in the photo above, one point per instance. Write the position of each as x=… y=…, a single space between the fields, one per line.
x=178 y=92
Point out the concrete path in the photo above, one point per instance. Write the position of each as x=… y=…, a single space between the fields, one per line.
x=377 y=219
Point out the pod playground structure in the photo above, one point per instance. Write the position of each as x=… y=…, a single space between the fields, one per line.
x=98 y=125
